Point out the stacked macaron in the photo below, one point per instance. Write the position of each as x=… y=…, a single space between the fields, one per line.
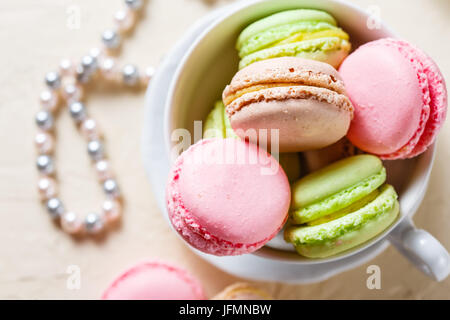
x=157 y=280
x=227 y=196
x=388 y=99
x=341 y=206
x=306 y=33
x=304 y=100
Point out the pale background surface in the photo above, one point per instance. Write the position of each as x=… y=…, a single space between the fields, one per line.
x=34 y=254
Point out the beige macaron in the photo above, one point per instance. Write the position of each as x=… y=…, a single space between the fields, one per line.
x=299 y=103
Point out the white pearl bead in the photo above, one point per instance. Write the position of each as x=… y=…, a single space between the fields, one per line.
x=130 y=75
x=124 y=20
x=55 y=208
x=89 y=64
x=94 y=223
x=108 y=69
x=77 y=111
x=111 y=188
x=111 y=39
x=96 y=150
x=96 y=53
x=72 y=92
x=53 y=80
x=44 y=120
x=111 y=210
x=89 y=129
x=49 y=100
x=103 y=170
x=44 y=164
x=46 y=188
x=44 y=142
x=70 y=223
x=147 y=76
x=66 y=67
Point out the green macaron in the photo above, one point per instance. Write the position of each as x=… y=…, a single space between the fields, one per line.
x=306 y=33
x=341 y=206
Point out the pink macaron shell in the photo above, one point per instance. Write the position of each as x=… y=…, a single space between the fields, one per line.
x=438 y=103
x=227 y=196
x=388 y=98
x=410 y=54
x=154 y=281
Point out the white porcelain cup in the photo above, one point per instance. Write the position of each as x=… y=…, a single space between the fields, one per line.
x=208 y=66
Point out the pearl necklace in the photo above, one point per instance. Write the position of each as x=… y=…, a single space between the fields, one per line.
x=66 y=87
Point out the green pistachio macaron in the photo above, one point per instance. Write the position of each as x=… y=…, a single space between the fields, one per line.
x=341 y=206
x=306 y=33
x=217 y=125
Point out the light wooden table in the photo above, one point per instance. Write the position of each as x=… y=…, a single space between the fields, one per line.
x=34 y=254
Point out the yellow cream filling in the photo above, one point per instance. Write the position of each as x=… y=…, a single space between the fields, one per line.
x=339 y=33
x=254 y=88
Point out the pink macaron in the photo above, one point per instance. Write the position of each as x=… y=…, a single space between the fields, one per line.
x=227 y=196
x=399 y=96
x=154 y=281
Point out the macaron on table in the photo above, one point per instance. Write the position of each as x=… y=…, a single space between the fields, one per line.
x=154 y=280
x=158 y=280
x=242 y=291
x=283 y=76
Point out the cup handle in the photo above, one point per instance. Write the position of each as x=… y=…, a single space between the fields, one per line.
x=422 y=249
